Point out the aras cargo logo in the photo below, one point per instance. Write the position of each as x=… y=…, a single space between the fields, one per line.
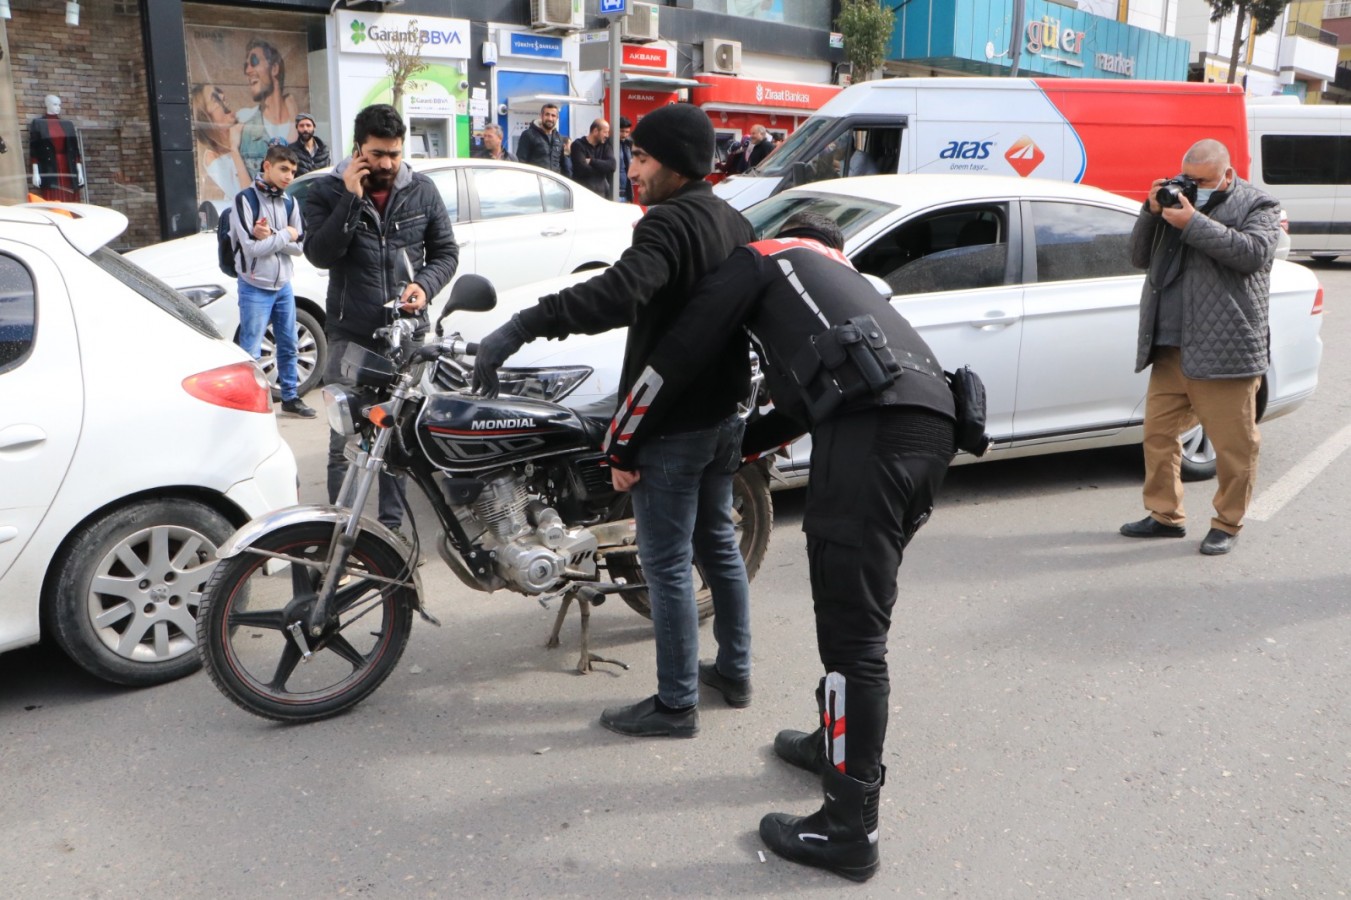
x=1024 y=156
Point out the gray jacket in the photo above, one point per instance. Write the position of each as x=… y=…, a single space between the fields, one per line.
x=267 y=263
x=1226 y=284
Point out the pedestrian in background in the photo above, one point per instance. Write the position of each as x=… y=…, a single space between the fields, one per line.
x=1204 y=335
x=541 y=144
x=681 y=484
x=311 y=151
x=762 y=144
x=492 y=145
x=625 y=160
x=267 y=230
x=593 y=161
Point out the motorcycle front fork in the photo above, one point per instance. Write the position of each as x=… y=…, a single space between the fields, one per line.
x=357 y=486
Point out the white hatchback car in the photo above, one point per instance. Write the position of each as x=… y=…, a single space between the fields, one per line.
x=133 y=440
x=514 y=224
x=1027 y=281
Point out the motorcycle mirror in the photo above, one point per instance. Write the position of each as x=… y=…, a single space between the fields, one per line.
x=470 y=292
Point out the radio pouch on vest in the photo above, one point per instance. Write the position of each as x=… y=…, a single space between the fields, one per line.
x=968 y=395
x=844 y=364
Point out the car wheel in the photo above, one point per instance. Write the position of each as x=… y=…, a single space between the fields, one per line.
x=124 y=601
x=311 y=354
x=1198 y=456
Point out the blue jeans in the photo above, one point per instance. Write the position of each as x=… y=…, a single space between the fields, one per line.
x=683 y=506
x=258 y=308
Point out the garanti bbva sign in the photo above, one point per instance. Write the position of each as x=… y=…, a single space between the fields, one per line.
x=374 y=34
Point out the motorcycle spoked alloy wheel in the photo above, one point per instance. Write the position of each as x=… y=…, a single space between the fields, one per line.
x=251 y=599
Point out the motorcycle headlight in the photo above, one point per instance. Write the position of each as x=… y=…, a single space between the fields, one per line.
x=338 y=408
x=553 y=383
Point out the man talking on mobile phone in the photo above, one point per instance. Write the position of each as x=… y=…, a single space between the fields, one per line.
x=383 y=233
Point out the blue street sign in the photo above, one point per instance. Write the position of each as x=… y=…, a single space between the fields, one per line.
x=614 y=7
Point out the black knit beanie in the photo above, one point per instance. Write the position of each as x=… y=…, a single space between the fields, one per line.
x=679 y=136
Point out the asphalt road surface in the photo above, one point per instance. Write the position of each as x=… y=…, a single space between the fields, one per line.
x=1075 y=715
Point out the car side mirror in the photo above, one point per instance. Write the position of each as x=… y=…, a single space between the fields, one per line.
x=470 y=292
x=880 y=284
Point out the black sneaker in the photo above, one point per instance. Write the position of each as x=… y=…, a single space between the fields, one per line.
x=736 y=693
x=297 y=407
x=645 y=719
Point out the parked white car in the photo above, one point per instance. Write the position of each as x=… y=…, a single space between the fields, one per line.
x=1027 y=281
x=133 y=440
x=514 y=223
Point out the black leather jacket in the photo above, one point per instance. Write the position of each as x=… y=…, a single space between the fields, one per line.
x=364 y=251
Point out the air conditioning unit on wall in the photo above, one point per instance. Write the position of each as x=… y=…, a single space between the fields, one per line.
x=722 y=57
x=557 y=15
x=640 y=25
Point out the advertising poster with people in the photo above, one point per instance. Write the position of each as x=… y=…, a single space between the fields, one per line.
x=246 y=88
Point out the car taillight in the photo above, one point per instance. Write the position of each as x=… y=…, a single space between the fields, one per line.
x=1317 y=302
x=238 y=386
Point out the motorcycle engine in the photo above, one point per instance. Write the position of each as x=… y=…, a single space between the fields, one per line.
x=533 y=547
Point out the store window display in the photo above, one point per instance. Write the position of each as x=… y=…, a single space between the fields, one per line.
x=54 y=154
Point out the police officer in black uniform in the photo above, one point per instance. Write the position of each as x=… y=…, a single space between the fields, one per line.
x=841 y=363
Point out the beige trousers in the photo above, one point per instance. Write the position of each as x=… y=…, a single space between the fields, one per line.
x=1227 y=409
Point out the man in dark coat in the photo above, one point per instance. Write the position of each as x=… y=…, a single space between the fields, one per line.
x=593 y=163
x=681 y=485
x=383 y=233
x=541 y=144
x=310 y=150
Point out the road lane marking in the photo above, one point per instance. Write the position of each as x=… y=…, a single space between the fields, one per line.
x=1299 y=477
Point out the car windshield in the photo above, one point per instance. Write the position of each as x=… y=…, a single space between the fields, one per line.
x=852 y=214
x=794 y=148
x=299 y=188
x=154 y=290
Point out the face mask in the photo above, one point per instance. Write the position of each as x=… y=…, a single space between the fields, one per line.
x=1203 y=194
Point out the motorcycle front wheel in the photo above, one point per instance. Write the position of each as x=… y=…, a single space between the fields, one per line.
x=257 y=660
x=753 y=512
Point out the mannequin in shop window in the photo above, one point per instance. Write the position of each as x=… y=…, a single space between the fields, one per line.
x=54 y=155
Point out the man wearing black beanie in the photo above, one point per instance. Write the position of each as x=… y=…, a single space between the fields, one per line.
x=682 y=484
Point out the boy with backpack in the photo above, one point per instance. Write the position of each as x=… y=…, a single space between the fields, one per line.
x=265 y=231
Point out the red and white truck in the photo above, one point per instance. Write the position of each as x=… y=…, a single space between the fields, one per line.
x=1117 y=135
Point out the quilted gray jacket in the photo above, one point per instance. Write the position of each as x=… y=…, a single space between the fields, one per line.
x=1226 y=284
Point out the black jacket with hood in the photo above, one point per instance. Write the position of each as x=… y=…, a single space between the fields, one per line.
x=365 y=251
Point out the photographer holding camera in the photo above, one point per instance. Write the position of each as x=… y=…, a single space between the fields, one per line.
x=384 y=235
x=1207 y=239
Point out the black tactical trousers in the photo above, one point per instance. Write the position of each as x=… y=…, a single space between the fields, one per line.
x=874 y=477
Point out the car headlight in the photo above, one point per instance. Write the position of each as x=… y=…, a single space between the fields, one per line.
x=338 y=408
x=202 y=294
x=552 y=383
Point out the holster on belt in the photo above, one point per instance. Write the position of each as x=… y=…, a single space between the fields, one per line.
x=844 y=364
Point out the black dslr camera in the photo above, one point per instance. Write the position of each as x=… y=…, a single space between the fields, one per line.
x=1171 y=191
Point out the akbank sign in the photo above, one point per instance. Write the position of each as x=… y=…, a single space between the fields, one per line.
x=375 y=34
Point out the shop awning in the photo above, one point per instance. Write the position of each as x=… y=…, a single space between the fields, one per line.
x=644 y=82
x=532 y=102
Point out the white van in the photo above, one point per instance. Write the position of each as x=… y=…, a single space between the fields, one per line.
x=1116 y=135
x=1301 y=155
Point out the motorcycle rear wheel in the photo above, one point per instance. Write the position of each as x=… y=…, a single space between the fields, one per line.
x=251 y=599
x=753 y=512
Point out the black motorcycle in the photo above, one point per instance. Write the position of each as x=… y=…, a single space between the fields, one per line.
x=310 y=607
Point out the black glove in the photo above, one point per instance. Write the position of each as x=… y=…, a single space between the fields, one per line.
x=494 y=350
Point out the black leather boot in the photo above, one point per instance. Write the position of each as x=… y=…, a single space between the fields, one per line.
x=806 y=750
x=840 y=837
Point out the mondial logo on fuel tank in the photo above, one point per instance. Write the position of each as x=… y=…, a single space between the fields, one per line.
x=1024 y=156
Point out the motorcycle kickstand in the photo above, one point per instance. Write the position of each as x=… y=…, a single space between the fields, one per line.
x=584 y=597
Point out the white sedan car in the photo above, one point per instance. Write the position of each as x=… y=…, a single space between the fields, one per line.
x=514 y=224
x=1027 y=281
x=133 y=440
